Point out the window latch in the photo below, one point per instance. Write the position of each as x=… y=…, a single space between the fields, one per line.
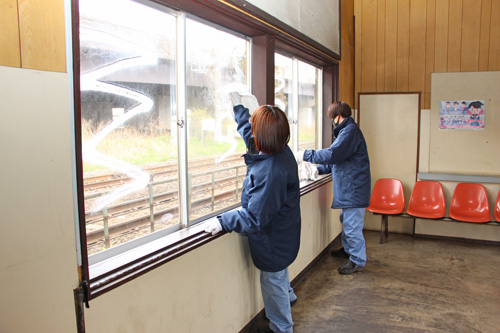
x=180 y=123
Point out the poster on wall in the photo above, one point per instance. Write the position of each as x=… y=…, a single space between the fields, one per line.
x=461 y=115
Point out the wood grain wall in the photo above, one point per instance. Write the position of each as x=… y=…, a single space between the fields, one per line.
x=32 y=34
x=399 y=43
x=346 y=65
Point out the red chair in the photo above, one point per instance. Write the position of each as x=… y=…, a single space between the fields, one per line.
x=427 y=200
x=470 y=203
x=387 y=199
x=496 y=212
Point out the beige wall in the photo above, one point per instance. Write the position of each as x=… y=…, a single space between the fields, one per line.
x=38 y=269
x=466 y=152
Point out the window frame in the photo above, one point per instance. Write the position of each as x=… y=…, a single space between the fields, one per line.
x=268 y=37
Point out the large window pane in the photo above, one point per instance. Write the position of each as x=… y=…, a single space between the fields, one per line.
x=127 y=53
x=216 y=65
x=297 y=90
x=283 y=76
x=308 y=105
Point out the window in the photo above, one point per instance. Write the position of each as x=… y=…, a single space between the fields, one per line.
x=136 y=118
x=128 y=99
x=159 y=147
x=217 y=63
x=297 y=91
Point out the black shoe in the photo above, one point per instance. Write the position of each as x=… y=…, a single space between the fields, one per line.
x=264 y=329
x=349 y=268
x=340 y=253
x=292 y=303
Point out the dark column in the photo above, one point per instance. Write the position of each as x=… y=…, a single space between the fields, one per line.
x=263 y=69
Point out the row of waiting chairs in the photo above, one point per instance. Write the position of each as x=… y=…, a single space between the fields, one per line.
x=469 y=202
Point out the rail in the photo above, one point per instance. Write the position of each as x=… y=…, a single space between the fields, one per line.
x=119 y=229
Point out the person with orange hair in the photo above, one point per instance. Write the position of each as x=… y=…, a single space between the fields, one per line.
x=270 y=207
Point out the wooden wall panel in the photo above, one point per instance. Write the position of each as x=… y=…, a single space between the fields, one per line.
x=369 y=46
x=415 y=38
x=346 y=66
x=470 y=36
x=403 y=45
x=381 y=45
x=418 y=25
x=430 y=47
x=9 y=34
x=441 y=48
x=391 y=41
x=494 y=56
x=454 y=35
x=484 y=39
x=357 y=59
x=42 y=35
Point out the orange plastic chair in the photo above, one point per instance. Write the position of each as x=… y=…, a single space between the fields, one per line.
x=496 y=212
x=427 y=200
x=470 y=203
x=387 y=199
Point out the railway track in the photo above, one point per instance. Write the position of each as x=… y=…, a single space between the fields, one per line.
x=170 y=169
x=116 y=223
x=145 y=219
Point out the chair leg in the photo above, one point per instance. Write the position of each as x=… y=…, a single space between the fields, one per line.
x=386 y=219
x=384 y=228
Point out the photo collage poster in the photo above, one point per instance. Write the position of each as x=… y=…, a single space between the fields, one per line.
x=461 y=114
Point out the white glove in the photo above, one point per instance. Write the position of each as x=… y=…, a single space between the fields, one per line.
x=250 y=102
x=309 y=172
x=235 y=98
x=299 y=156
x=304 y=173
x=213 y=227
x=314 y=173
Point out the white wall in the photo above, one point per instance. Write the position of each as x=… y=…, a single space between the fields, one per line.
x=38 y=268
x=317 y=19
x=214 y=288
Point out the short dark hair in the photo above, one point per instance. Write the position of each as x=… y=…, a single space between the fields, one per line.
x=476 y=104
x=339 y=109
x=270 y=129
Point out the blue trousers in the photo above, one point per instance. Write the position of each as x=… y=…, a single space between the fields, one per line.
x=277 y=295
x=353 y=241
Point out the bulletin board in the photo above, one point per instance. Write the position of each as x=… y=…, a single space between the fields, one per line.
x=465 y=152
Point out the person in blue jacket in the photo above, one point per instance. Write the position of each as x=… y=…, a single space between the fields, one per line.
x=347 y=160
x=270 y=207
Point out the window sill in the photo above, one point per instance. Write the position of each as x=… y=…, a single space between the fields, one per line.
x=117 y=270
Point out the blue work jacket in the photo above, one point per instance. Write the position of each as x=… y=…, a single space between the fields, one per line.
x=347 y=160
x=270 y=204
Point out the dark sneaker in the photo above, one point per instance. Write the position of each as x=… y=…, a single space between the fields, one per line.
x=349 y=268
x=265 y=329
x=292 y=303
x=340 y=253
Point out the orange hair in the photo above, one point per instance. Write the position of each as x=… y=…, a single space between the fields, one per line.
x=270 y=129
